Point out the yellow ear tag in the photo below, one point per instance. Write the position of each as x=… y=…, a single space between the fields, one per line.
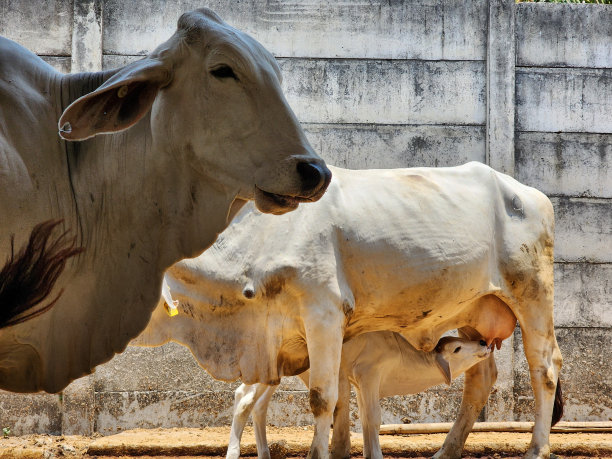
x=171 y=309
x=170 y=304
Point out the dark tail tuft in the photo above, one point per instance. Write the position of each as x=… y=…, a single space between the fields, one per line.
x=558 y=405
x=28 y=277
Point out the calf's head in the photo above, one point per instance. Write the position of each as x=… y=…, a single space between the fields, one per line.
x=216 y=105
x=453 y=356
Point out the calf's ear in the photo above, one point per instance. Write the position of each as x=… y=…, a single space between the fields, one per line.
x=117 y=104
x=444 y=368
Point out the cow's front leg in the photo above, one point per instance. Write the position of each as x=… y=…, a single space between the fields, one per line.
x=478 y=383
x=245 y=398
x=260 y=412
x=324 y=328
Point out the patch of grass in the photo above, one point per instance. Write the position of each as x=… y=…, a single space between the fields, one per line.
x=601 y=2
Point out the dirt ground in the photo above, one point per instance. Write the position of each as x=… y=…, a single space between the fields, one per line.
x=284 y=442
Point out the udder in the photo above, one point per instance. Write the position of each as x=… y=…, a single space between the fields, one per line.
x=493 y=320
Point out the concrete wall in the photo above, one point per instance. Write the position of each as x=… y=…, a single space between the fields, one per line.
x=526 y=88
x=564 y=147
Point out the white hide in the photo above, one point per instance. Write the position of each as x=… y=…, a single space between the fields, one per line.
x=378 y=364
x=204 y=127
x=416 y=251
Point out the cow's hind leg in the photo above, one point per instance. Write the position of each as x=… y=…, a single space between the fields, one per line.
x=544 y=359
x=324 y=326
x=478 y=383
x=530 y=295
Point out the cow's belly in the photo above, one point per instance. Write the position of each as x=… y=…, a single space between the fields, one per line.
x=421 y=309
x=484 y=317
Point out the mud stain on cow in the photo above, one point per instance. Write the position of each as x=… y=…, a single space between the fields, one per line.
x=529 y=274
x=348 y=308
x=318 y=404
x=273 y=286
x=532 y=290
x=187 y=309
x=229 y=302
x=419 y=181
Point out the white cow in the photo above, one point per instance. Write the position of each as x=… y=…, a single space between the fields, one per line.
x=416 y=251
x=378 y=364
x=195 y=129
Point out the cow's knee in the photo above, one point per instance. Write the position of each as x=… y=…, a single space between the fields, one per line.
x=244 y=398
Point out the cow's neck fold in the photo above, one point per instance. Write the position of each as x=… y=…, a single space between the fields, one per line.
x=74 y=85
x=159 y=210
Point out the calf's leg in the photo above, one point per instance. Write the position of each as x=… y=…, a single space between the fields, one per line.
x=370 y=413
x=341 y=436
x=478 y=383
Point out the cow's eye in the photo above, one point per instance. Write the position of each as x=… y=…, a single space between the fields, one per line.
x=457 y=349
x=223 y=71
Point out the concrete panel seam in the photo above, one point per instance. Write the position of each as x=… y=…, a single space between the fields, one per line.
x=501 y=58
x=87 y=36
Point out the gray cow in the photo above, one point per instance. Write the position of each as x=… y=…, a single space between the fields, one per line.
x=195 y=130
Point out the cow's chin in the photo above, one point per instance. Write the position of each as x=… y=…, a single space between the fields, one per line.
x=270 y=203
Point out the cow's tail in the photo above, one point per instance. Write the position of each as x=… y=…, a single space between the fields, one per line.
x=28 y=277
x=558 y=404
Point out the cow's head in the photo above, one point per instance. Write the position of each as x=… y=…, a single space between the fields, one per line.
x=216 y=104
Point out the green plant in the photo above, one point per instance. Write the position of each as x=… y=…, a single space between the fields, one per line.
x=6 y=431
x=601 y=2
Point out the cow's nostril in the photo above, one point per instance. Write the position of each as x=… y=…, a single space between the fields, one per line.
x=312 y=176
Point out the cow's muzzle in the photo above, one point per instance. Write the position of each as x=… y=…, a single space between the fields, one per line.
x=315 y=180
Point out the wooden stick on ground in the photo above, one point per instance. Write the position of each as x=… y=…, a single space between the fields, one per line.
x=444 y=427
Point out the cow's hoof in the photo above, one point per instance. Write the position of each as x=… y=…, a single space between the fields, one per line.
x=340 y=454
x=444 y=453
x=538 y=453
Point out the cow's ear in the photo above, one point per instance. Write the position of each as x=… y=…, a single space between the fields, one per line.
x=444 y=368
x=116 y=105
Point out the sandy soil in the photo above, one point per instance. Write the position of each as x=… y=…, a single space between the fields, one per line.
x=284 y=442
